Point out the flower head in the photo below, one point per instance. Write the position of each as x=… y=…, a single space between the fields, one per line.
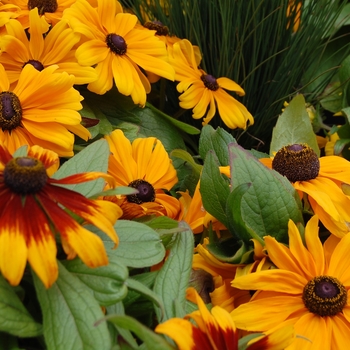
x=309 y=288
x=145 y=165
x=215 y=330
x=50 y=10
x=42 y=109
x=56 y=47
x=201 y=90
x=31 y=214
x=321 y=179
x=118 y=49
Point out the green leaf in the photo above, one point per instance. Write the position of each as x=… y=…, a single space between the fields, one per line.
x=14 y=318
x=333 y=97
x=92 y=158
x=107 y=283
x=236 y=223
x=104 y=127
x=172 y=279
x=267 y=205
x=214 y=188
x=152 y=340
x=243 y=342
x=139 y=245
x=293 y=126
x=217 y=141
x=189 y=129
x=149 y=294
x=21 y=151
x=124 y=114
x=69 y=315
x=184 y=155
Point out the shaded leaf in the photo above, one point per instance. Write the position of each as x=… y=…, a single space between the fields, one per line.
x=172 y=279
x=69 y=315
x=14 y=317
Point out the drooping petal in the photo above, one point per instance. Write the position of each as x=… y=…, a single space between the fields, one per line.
x=272 y=312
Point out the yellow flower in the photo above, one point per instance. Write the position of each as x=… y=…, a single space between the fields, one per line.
x=118 y=49
x=31 y=214
x=145 y=165
x=294 y=12
x=309 y=289
x=56 y=47
x=215 y=330
x=41 y=109
x=321 y=179
x=201 y=90
x=50 y=10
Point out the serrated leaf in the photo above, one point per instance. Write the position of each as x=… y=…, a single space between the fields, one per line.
x=139 y=245
x=217 y=141
x=151 y=340
x=69 y=315
x=107 y=283
x=293 y=126
x=172 y=279
x=214 y=188
x=92 y=158
x=271 y=200
x=14 y=317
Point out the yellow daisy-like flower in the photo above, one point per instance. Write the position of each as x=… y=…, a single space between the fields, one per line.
x=56 y=47
x=201 y=90
x=7 y=12
x=31 y=214
x=215 y=330
x=294 y=11
x=50 y=10
x=309 y=288
x=145 y=165
x=118 y=49
x=42 y=109
x=321 y=179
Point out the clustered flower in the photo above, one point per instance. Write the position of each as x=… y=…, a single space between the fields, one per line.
x=294 y=296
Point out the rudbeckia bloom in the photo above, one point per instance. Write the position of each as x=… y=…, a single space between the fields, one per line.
x=309 y=289
x=56 y=47
x=215 y=330
x=145 y=165
x=31 y=214
x=50 y=10
x=201 y=90
x=118 y=49
x=321 y=179
x=41 y=109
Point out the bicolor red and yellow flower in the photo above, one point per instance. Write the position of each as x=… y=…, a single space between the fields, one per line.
x=215 y=330
x=34 y=208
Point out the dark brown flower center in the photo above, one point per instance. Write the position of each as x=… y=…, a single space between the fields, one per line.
x=43 y=5
x=116 y=44
x=325 y=296
x=297 y=162
x=159 y=27
x=146 y=192
x=36 y=64
x=10 y=111
x=25 y=175
x=210 y=82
